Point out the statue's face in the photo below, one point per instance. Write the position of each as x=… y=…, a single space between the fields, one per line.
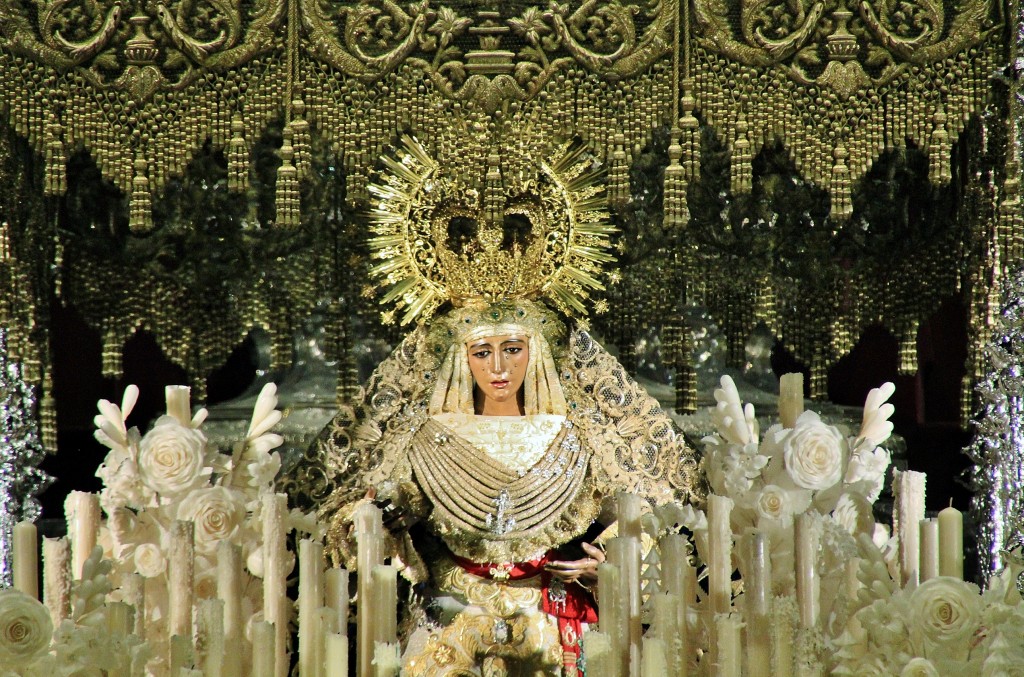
x=499 y=364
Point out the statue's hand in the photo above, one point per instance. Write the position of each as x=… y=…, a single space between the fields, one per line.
x=582 y=571
x=396 y=518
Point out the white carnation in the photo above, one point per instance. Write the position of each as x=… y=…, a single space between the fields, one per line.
x=172 y=457
x=814 y=453
x=853 y=513
x=25 y=628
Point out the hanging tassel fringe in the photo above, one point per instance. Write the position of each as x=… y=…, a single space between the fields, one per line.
x=939 y=150
x=286 y=202
x=494 y=193
x=55 y=174
x=908 y=350
x=48 y=416
x=112 y=367
x=676 y=214
x=842 y=200
x=238 y=157
x=302 y=143
x=140 y=207
x=689 y=135
x=742 y=170
x=618 y=174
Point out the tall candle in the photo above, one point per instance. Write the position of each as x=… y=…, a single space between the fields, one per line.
x=182 y=654
x=57 y=578
x=613 y=616
x=369 y=527
x=679 y=578
x=757 y=593
x=384 y=580
x=275 y=600
x=909 y=488
x=624 y=552
x=82 y=512
x=26 y=559
x=791 y=398
x=720 y=560
x=211 y=624
x=336 y=661
x=929 y=549
x=337 y=597
x=628 y=511
x=782 y=637
x=951 y=543
x=135 y=595
x=654 y=662
x=178 y=406
x=386 y=660
x=666 y=628
x=597 y=647
x=326 y=622
x=729 y=655
x=311 y=598
x=263 y=639
x=229 y=589
x=181 y=578
x=806 y=542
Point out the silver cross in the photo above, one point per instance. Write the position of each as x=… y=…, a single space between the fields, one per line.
x=500 y=525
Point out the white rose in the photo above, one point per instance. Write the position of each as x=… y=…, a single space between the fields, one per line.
x=217 y=513
x=25 y=629
x=149 y=560
x=919 y=667
x=813 y=453
x=171 y=457
x=946 y=610
x=773 y=503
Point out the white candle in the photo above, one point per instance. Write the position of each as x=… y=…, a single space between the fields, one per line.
x=909 y=488
x=181 y=578
x=624 y=552
x=135 y=595
x=791 y=398
x=369 y=527
x=263 y=639
x=26 y=559
x=720 y=560
x=229 y=586
x=386 y=660
x=654 y=662
x=757 y=593
x=951 y=543
x=729 y=655
x=57 y=578
x=929 y=549
x=275 y=600
x=119 y=618
x=82 y=512
x=211 y=623
x=384 y=580
x=337 y=655
x=679 y=579
x=337 y=597
x=782 y=637
x=806 y=542
x=597 y=649
x=178 y=405
x=182 y=654
x=311 y=598
x=628 y=511
x=613 y=616
x=326 y=622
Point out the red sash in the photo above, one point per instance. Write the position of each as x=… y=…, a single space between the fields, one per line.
x=572 y=610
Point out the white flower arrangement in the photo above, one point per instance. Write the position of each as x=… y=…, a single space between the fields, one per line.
x=170 y=474
x=812 y=467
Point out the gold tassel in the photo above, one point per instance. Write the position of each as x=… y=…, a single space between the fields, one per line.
x=618 y=174
x=674 y=200
x=494 y=193
x=819 y=376
x=55 y=173
x=238 y=157
x=908 y=349
x=742 y=171
x=286 y=195
x=48 y=416
x=842 y=202
x=140 y=208
x=689 y=129
x=112 y=367
x=301 y=140
x=939 y=150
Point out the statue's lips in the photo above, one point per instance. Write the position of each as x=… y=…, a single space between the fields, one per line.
x=499 y=384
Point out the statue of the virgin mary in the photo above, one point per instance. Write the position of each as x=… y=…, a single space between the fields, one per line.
x=499 y=431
